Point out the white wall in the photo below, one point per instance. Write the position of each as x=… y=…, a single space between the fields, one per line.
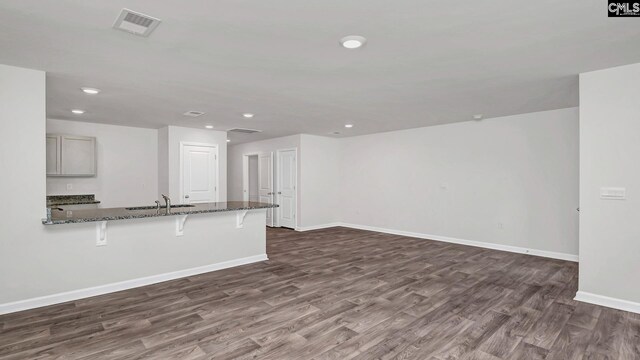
x=609 y=153
x=22 y=163
x=511 y=181
x=320 y=181
x=169 y=139
x=127 y=160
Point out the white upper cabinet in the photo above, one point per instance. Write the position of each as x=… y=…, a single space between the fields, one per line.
x=71 y=155
x=53 y=155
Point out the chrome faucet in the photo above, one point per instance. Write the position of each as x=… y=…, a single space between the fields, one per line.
x=167 y=202
x=157 y=205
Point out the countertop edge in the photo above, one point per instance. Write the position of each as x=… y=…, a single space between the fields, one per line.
x=74 y=203
x=144 y=216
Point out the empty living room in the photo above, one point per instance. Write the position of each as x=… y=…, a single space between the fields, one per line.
x=326 y=180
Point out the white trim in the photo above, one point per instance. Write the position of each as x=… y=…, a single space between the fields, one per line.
x=272 y=186
x=318 y=227
x=181 y=169
x=608 y=301
x=509 y=248
x=123 y=285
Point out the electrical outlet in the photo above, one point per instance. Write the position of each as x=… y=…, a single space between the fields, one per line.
x=69 y=186
x=500 y=226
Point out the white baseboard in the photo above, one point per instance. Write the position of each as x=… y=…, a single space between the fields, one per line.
x=318 y=227
x=514 y=249
x=608 y=302
x=123 y=285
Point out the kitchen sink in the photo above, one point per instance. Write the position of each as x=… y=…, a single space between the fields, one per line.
x=161 y=207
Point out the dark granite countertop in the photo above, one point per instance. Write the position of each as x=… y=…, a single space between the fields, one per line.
x=62 y=216
x=59 y=200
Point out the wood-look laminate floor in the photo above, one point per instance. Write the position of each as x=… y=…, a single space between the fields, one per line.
x=340 y=294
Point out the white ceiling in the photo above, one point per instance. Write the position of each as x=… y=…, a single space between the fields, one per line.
x=426 y=62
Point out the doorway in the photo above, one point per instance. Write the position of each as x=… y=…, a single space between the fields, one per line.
x=257 y=180
x=273 y=178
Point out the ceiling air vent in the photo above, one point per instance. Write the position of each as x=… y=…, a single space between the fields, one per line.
x=136 y=23
x=244 y=131
x=193 y=113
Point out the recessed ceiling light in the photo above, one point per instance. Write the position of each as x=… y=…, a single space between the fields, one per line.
x=77 y=111
x=90 y=91
x=477 y=117
x=348 y=126
x=209 y=126
x=248 y=115
x=228 y=140
x=353 y=41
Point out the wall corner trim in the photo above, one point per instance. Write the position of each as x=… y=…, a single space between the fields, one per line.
x=486 y=245
x=607 y=301
x=123 y=285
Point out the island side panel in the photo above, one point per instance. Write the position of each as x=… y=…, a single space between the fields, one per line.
x=138 y=251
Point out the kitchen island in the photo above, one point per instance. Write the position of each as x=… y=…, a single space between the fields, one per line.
x=114 y=249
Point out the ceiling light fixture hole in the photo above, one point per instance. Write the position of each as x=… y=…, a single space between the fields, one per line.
x=353 y=41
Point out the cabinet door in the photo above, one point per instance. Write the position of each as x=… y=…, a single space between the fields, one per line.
x=78 y=155
x=53 y=155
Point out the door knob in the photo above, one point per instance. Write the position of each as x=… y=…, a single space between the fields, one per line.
x=279 y=193
x=186 y=196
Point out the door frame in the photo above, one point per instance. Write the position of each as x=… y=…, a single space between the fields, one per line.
x=271 y=157
x=245 y=174
x=276 y=222
x=181 y=167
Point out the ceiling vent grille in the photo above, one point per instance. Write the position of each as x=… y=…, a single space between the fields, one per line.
x=193 y=113
x=244 y=131
x=136 y=23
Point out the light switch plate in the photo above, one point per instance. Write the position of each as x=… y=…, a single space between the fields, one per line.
x=69 y=187
x=613 y=193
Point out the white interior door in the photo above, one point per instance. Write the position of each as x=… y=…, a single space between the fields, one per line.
x=286 y=189
x=265 y=182
x=199 y=174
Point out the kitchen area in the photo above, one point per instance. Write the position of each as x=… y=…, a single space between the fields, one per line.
x=139 y=163
x=95 y=210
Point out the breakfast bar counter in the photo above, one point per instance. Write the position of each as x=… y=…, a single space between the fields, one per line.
x=60 y=215
x=120 y=248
